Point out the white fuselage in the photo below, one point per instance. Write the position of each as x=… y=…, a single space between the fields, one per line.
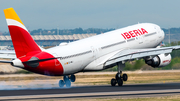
x=91 y=53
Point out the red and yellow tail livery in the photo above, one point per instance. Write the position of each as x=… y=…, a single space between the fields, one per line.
x=22 y=41
x=28 y=53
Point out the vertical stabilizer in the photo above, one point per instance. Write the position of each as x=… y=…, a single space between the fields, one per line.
x=22 y=41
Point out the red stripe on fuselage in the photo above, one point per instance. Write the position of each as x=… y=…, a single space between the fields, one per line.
x=49 y=67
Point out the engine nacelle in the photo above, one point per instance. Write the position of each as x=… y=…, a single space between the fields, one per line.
x=159 y=60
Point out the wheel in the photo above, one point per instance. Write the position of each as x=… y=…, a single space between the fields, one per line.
x=118 y=76
x=120 y=82
x=125 y=77
x=72 y=78
x=113 y=82
x=68 y=83
x=61 y=83
x=66 y=78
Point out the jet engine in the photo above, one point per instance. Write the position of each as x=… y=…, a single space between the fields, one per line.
x=159 y=60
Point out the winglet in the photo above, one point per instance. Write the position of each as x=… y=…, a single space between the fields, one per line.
x=22 y=41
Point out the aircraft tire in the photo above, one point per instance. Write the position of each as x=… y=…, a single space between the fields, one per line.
x=118 y=76
x=65 y=78
x=68 y=83
x=124 y=77
x=73 y=78
x=113 y=82
x=120 y=82
x=61 y=83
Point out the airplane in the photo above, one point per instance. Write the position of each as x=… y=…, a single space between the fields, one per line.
x=95 y=53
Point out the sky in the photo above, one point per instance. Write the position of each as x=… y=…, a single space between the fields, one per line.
x=70 y=14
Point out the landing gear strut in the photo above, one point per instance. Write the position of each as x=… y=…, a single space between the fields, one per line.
x=67 y=81
x=119 y=78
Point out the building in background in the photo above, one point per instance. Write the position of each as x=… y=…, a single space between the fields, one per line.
x=46 y=40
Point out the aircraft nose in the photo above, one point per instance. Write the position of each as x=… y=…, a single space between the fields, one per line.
x=162 y=33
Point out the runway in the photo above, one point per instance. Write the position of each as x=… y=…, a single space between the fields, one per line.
x=92 y=91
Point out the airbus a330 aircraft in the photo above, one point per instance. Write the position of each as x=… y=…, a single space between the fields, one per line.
x=95 y=53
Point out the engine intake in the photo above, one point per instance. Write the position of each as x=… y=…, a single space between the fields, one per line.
x=159 y=60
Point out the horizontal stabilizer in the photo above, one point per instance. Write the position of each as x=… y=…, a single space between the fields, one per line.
x=5 y=61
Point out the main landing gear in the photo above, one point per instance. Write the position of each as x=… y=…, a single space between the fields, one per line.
x=119 y=78
x=67 y=81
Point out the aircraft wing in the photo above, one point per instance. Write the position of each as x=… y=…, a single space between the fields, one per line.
x=7 y=54
x=130 y=54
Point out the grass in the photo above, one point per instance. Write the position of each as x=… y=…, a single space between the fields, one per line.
x=22 y=71
x=133 y=78
x=163 y=98
x=99 y=79
x=166 y=98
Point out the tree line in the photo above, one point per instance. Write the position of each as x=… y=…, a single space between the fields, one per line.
x=83 y=31
x=66 y=31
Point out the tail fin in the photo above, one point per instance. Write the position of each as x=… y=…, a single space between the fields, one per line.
x=22 y=41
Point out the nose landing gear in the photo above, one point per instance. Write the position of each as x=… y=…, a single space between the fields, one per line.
x=67 y=81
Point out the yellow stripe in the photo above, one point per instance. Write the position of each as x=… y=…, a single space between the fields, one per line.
x=11 y=14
